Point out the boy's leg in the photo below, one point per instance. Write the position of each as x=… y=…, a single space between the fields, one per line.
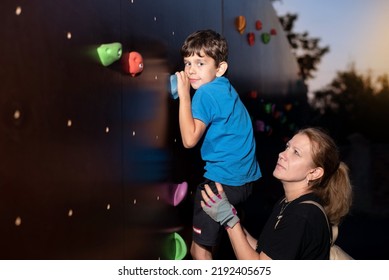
x=205 y=230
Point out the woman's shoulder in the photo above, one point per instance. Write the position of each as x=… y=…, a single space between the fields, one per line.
x=308 y=197
x=305 y=209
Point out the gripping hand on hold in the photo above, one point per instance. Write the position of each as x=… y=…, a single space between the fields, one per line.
x=218 y=207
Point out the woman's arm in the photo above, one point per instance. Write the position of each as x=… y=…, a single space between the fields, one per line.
x=251 y=240
x=219 y=209
x=242 y=243
x=242 y=248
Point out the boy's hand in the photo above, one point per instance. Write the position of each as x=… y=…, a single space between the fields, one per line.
x=218 y=207
x=183 y=85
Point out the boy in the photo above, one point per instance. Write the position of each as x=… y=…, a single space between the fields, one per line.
x=217 y=113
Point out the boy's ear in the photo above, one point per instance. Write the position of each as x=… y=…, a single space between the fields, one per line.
x=223 y=66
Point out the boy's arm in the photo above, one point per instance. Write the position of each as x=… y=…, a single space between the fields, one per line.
x=191 y=129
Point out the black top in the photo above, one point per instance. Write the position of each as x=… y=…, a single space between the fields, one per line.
x=301 y=233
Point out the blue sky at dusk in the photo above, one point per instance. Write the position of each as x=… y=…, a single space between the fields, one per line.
x=357 y=31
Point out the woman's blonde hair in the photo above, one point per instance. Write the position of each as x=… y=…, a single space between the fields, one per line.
x=334 y=187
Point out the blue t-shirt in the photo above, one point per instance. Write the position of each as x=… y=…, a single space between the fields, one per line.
x=228 y=147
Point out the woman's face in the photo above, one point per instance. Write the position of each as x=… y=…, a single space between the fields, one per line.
x=295 y=162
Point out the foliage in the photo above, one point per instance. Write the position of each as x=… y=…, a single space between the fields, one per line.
x=354 y=102
x=306 y=49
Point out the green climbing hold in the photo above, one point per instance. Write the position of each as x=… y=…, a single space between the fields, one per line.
x=109 y=53
x=265 y=37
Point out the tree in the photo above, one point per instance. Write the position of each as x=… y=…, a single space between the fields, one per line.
x=354 y=102
x=306 y=49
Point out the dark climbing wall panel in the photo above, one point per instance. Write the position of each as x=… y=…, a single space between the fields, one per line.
x=268 y=68
x=87 y=152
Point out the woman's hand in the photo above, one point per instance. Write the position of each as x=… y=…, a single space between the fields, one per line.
x=218 y=207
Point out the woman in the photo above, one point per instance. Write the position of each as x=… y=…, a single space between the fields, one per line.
x=309 y=169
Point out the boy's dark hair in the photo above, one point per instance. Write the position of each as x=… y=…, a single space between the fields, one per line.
x=212 y=43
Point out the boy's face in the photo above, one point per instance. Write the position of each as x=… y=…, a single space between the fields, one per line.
x=200 y=69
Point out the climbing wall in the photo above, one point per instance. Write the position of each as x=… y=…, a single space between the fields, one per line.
x=91 y=161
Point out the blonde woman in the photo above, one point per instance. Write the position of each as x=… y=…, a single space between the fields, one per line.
x=309 y=169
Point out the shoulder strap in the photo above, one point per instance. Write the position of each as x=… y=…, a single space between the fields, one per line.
x=284 y=199
x=334 y=229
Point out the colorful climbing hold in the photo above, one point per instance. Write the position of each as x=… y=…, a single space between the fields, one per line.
x=132 y=63
x=240 y=23
x=265 y=37
x=251 y=38
x=109 y=53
